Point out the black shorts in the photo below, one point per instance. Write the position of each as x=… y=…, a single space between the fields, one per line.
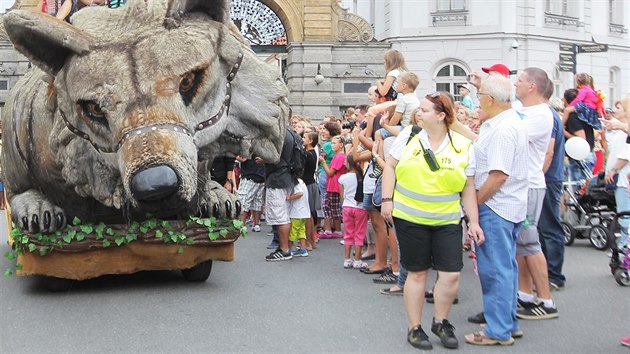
x=424 y=246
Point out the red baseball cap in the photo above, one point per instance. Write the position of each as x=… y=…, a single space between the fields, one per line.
x=500 y=68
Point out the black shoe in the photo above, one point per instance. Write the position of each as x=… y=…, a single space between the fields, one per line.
x=537 y=312
x=388 y=277
x=418 y=339
x=376 y=173
x=431 y=300
x=446 y=332
x=278 y=255
x=478 y=318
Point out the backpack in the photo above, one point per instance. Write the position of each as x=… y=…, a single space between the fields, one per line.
x=298 y=156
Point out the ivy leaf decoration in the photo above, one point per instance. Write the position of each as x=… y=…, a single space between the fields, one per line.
x=223 y=233
x=180 y=249
x=87 y=229
x=76 y=221
x=8 y=272
x=31 y=247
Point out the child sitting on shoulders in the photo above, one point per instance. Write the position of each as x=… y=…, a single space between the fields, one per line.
x=355 y=217
x=299 y=212
x=406 y=103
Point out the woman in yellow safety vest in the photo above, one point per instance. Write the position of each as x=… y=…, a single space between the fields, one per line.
x=424 y=186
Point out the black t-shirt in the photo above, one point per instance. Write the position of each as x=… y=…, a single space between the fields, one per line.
x=574 y=124
x=252 y=170
x=278 y=175
x=220 y=167
x=309 y=167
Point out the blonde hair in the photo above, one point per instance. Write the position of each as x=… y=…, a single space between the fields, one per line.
x=394 y=60
x=412 y=80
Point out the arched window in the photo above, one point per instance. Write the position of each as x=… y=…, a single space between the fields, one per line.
x=448 y=77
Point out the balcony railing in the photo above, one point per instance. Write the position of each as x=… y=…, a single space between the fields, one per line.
x=617 y=29
x=562 y=21
x=449 y=18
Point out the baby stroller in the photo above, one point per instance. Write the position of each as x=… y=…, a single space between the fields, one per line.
x=620 y=260
x=588 y=212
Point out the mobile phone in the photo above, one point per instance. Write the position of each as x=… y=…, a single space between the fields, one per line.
x=469 y=77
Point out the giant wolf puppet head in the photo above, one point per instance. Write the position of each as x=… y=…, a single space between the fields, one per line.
x=128 y=107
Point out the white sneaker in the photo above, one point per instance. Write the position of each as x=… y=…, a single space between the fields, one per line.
x=359 y=264
x=348 y=263
x=256 y=228
x=341 y=242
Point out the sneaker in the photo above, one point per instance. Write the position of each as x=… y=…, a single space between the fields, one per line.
x=555 y=286
x=341 y=242
x=348 y=263
x=278 y=255
x=478 y=318
x=256 y=228
x=359 y=264
x=376 y=173
x=337 y=234
x=418 y=339
x=522 y=305
x=537 y=312
x=387 y=277
x=625 y=341
x=446 y=332
x=273 y=245
x=325 y=234
x=302 y=252
x=389 y=291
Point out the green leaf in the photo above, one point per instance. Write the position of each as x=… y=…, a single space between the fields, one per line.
x=213 y=235
x=130 y=237
x=200 y=222
x=244 y=231
x=173 y=237
x=134 y=227
x=31 y=247
x=144 y=229
x=237 y=223
x=166 y=224
x=181 y=236
x=24 y=239
x=10 y=255
x=19 y=266
x=43 y=251
x=152 y=223
x=109 y=231
x=8 y=272
x=120 y=240
x=87 y=229
x=80 y=236
x=207 y=223
x=72 y=233
x=16 y=232
x=100 y=227
x=180 y=249
x=223 y=233
x=190 y=241
x=67 y=238
x=106 y=243
x=76 y=221
x=158 y=234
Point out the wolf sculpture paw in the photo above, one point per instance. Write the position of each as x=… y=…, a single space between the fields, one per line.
x=32 y=212
x=218 y=202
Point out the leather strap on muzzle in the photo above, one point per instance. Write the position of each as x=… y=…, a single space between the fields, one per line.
x=225 y=108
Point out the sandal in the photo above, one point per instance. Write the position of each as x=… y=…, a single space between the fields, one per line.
x=478 y=338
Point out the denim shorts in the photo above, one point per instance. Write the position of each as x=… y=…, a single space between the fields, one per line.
x=367 y=202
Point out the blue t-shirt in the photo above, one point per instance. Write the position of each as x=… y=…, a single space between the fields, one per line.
x=468 y=102
x=555 y=173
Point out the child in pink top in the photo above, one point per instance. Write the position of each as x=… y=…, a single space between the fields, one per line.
x=355 y=217
x=587 y=104
x=332 y=202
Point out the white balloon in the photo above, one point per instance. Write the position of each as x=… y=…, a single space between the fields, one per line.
x=577 y=148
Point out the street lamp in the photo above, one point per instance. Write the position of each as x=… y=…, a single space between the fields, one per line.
x=319 y=78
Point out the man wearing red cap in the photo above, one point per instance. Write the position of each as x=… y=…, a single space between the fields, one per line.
x=497 y=68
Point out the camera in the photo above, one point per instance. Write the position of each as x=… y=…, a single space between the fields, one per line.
x=469 y=77
x=429 y=157
x=350 y=125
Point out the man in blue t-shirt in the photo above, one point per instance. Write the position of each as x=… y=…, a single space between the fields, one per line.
x=550 y=229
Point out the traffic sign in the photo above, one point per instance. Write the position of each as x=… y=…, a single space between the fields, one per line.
x=567 y=47
x=567 y=58
x=566 y=67
x=592 y=48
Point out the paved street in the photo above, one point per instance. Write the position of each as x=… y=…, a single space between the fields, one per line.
x=305 y=305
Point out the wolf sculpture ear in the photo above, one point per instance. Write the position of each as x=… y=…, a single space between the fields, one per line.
x=45 y=40
x=217 y=10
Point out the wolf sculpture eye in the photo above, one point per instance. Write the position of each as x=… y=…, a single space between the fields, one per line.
x=189 y=84
x=94 y=112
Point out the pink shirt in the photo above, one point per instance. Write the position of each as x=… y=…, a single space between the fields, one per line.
x=337 y=163
x=586 y=95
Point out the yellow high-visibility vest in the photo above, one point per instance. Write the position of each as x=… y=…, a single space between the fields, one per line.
x=430 y=197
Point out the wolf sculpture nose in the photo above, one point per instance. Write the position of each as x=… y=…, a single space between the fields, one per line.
x=154 y=184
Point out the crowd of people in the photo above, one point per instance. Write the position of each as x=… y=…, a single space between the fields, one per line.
x=412 y=183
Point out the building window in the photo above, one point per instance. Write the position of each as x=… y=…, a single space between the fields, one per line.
x=557 y=82
x=615 y=18
x=562 y=13
x=613 y=83
x=4 y=85
x=448 y=77
x=451 y=5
